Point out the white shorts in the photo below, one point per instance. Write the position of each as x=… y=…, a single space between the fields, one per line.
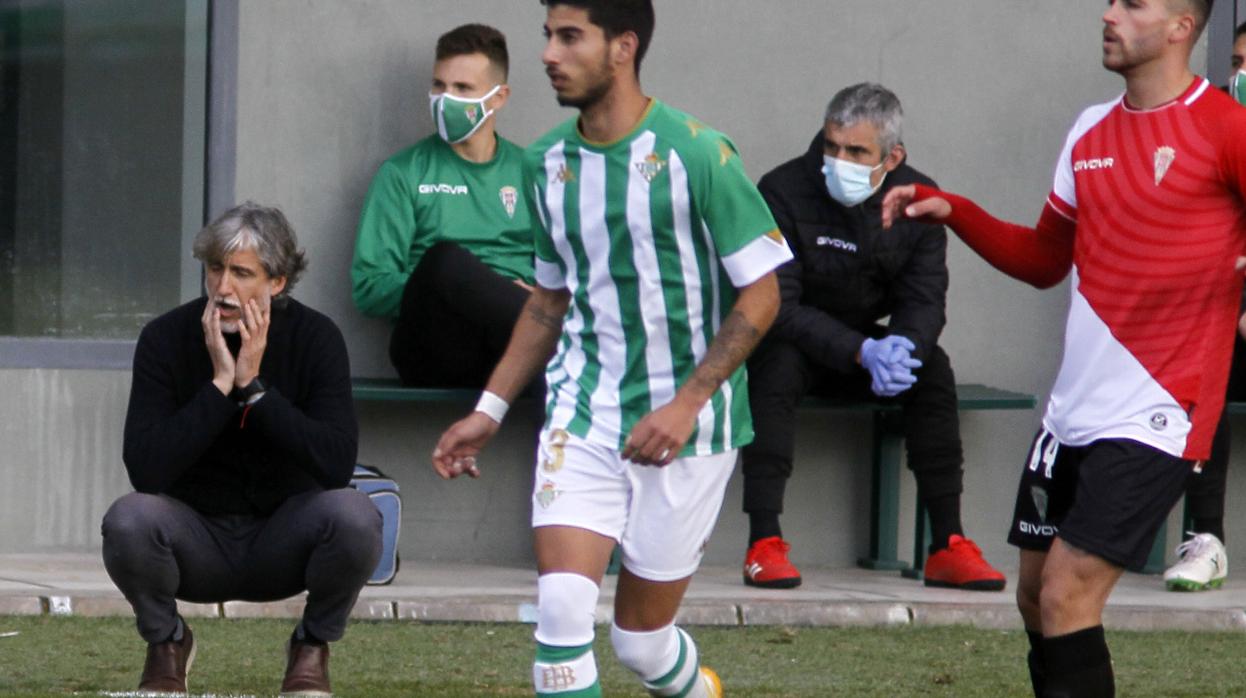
x=661 y=517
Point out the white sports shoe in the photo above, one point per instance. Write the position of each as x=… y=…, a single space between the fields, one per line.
x=1203 y=565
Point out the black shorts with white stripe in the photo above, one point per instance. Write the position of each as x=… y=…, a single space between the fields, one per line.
x=1107 y=498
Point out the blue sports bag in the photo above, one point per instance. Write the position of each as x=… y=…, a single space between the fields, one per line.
x=384 y=493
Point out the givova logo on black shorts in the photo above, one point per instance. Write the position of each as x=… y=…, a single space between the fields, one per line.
x=1039 y=529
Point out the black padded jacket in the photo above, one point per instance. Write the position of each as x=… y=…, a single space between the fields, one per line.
x=849 y=273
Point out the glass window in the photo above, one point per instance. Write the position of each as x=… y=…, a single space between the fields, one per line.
x=102 y=141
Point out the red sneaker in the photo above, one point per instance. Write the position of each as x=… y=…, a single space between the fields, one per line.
x=960 y=565
x=766 y=565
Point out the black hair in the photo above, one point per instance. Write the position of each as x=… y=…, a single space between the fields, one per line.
x=616 y=17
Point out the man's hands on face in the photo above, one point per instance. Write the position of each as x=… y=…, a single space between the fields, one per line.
x=660 y=435
x=223 y=367
x=253 y=326
x=227 y=372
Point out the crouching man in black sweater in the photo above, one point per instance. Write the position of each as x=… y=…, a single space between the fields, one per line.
x=240 y=440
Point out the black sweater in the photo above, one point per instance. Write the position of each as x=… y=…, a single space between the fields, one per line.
x=185 y=439
x=848 y=272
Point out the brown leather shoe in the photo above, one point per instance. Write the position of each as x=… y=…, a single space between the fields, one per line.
x=307 y=670
x=167 y=664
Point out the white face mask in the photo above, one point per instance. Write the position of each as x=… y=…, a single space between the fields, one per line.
x=847 y=182
x=458 y=118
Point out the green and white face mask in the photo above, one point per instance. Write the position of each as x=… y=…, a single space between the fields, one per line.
x=1237 y=87
x=457 y=118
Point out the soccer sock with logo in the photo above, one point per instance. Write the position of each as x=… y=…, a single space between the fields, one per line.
x=665 y=659
x=565 y=665
x=1078 y=665
x=567 y=672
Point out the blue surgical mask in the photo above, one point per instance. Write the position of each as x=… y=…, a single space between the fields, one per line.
x=847 y=182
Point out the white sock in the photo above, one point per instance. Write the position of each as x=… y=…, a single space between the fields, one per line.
x=665 y=659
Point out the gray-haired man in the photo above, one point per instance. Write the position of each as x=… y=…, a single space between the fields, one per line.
x=847 y=276
x=240 y=439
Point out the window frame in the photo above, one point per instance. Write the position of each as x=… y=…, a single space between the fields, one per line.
x=218 y=178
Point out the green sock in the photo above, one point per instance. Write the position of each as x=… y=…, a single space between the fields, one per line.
x=567 y=672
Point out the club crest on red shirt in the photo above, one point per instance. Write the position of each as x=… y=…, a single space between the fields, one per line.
x=1164 y=156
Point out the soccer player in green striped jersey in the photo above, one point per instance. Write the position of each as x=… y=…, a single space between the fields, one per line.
x=654 y=269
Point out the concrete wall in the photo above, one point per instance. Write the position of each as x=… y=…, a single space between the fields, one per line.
x=60 y=456
x=60 y=468
x=329 y=88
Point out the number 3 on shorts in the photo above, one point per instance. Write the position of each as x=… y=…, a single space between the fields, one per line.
x=555 y=450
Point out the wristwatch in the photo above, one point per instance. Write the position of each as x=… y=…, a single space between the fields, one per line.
x=251 y=390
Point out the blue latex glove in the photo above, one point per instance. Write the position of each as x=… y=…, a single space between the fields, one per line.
x=890 y=363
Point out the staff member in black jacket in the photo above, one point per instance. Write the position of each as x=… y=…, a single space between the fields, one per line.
x=240 y=440
x=847 y=275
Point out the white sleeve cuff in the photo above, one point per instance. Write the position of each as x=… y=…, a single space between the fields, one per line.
x=549 y=275
x=754 y=260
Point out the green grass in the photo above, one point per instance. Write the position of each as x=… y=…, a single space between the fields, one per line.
x=53 y=656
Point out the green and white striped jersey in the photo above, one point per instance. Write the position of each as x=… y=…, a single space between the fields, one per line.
x=651 y=235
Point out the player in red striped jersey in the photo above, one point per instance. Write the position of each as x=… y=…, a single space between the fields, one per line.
x=1147 y=213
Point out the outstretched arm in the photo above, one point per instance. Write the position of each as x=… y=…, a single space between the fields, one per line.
x=532 y=342
x=1041 y=256
x=660 y=435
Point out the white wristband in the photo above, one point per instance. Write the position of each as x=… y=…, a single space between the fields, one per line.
x=493 y=406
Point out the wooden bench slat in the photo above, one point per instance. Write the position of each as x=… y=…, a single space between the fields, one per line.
x=969 y=396
x=390 y=390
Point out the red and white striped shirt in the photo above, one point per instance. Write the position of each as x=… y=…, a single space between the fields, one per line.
x=1149 y=208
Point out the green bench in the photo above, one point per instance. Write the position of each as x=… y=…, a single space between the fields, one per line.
x=888 y=442
x=390 y=390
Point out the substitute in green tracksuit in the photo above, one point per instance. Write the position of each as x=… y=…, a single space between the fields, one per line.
x=445 y=239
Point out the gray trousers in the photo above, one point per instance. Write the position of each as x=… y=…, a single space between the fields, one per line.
x=158 y=549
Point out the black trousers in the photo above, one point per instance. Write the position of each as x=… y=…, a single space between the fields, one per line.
x=455 y=320
x=158 y=549
x=1205 y=490
x=780 y=375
